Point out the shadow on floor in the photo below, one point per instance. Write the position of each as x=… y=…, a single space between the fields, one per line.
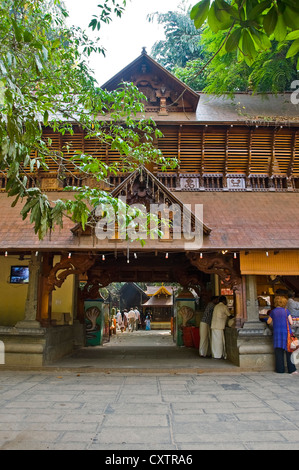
x=142 y=351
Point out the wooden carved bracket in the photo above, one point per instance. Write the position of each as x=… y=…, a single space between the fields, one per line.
x=77 y=264
x=218 y=264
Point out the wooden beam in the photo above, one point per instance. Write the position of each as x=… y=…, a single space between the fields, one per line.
x=293 y=155
x=272 y=160
x=179 y=145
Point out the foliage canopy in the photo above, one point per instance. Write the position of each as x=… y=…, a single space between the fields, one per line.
x=45 y=80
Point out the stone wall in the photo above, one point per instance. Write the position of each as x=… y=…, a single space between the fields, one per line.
x=250 y=349
x=37 y=347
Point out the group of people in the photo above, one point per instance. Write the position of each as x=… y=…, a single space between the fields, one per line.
x=128 y=319
x=212 y=325
x=280 y=318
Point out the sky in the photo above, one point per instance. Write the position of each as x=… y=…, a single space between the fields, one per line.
x=125 y=37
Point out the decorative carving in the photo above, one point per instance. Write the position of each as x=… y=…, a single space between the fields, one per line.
x=218 y=264
x=186 y=313
x=77 y=264
x=235 y=182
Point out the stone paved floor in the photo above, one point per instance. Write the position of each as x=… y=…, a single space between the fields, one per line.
x=44 y=410
x=77 y=406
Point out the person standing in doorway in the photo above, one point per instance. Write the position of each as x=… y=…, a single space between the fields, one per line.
x=281 y=320
x=138 y=321
x=147 y=323
x=205 y=328
x=220 y=315
x=132 y=319
x=122 y=320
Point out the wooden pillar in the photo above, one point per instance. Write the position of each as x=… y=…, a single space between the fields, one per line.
x=239 y=304
x=45 y=293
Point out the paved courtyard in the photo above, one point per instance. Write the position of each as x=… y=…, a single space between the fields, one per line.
x=82 y=407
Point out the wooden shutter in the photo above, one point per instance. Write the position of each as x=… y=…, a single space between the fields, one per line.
x=190 y=149
x=283 y=151
x=168 y=144
x=92 y=146
x=238 y=150
x=261 y=150
x=214 y=150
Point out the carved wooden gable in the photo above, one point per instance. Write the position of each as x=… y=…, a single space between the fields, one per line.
x=164 y=92
x=143 y=188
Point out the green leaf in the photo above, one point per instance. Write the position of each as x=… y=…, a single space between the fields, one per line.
x=258 y=9
x=293 y=50
x=233 y=40
x=200 y=12
x=291 y=18
x=222 y=19
x=280 y=31
x=248 y=47
x=46 y=117
x=17 y=30
x=293 y=35
x=261 y=39
x=27 y=36
x=270 y=21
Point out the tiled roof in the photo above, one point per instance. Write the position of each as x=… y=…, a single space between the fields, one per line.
x=249 y=219
x=243 y=108
x=238 y=220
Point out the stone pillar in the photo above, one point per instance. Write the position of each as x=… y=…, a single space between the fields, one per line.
x=32 y=294
x=252 y=321
x=254 y=340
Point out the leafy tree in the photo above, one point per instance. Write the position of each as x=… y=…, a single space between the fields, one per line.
x=218 y=67
x=182 y=42
x=250 y=25
x=225 y=74
x=45 y=81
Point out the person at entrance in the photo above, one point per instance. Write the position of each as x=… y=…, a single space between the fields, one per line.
x=293 y=305
x=205 y=328
x=220 y=315
x=147 y=323
x=281 y=319
x=122 y=320
x=132 y=319
x=137 y=314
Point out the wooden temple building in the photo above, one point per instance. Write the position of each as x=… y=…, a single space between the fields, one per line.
x=238 y=159
x=159 y=306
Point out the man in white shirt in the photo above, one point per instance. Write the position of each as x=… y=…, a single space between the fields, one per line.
x=220 y=315
x=132 y=318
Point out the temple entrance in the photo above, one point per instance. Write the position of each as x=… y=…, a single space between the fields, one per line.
x=169 y=291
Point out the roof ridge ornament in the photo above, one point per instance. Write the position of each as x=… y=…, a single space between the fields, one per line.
x=144 y=51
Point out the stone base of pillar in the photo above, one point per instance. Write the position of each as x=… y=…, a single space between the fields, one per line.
x=250 y=347
x=28 y=324
x=35 y=347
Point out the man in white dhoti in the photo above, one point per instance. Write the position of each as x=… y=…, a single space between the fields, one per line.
x=220 y=315
x=205 y=328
